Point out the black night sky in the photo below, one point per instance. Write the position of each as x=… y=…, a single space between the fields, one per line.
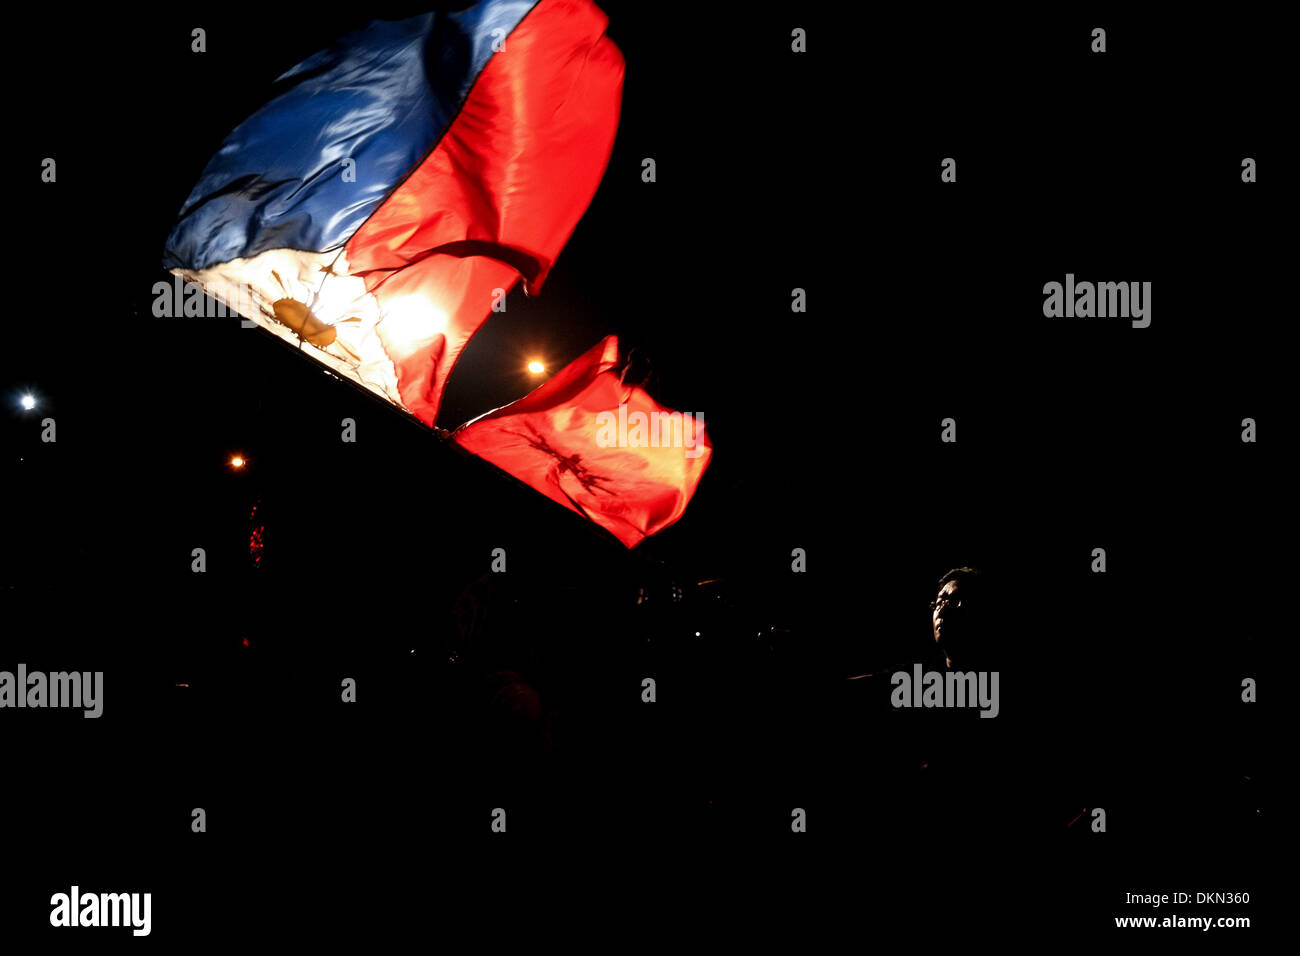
x=774 y=171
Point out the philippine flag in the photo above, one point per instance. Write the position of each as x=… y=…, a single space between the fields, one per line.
x=402 y=181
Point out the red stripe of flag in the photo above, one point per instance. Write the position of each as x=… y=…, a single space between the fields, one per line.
x=497 y=198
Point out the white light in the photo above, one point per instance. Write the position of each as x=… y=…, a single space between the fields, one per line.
x=29 y=402
x=412 y=322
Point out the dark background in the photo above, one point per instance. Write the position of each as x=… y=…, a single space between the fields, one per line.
x=775 y=171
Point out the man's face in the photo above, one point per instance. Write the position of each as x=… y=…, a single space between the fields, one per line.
x=946 y=618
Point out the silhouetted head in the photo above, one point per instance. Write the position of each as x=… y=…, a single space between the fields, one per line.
x=956 y=617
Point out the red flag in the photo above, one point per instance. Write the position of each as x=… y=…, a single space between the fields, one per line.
x=597 y=446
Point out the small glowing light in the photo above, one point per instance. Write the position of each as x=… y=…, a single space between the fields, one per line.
x=536 y=367
x=237 y=462
x=28 y=402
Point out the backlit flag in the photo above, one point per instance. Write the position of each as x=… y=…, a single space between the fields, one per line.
x=402 y=181
x=602 y=448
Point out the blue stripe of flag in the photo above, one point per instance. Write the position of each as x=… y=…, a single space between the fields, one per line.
x=380 y=96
